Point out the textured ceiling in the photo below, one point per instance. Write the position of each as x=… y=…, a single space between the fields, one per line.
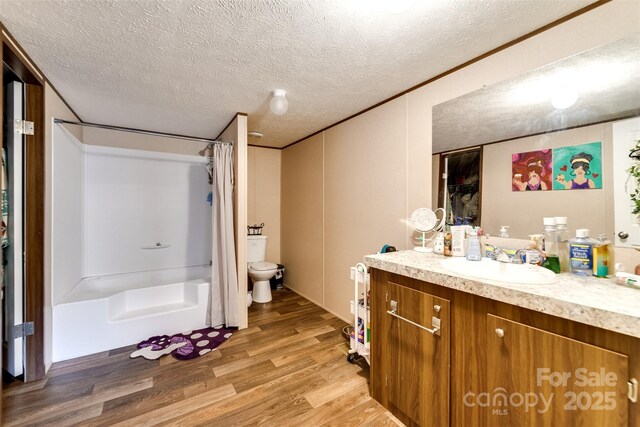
x=188 y=66
x=605 y=79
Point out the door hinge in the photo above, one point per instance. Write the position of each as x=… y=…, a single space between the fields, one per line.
x=386 y=296
x=23 y=127
x=632 y=392
x=386 y=381
x=21 y=330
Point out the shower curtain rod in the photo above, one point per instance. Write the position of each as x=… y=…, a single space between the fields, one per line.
x=140 y=131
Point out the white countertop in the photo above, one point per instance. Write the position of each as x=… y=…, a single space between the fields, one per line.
x=589 y=300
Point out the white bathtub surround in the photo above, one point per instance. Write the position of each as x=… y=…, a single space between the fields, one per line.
x=68 y=212
x=128 y=227
x=106 y=312
x=224 y=277
x=136 y=199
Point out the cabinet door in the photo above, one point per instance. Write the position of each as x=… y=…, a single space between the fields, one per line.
x=537 y=378
x=413 y=365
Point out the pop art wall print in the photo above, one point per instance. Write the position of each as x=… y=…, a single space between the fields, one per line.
x=577 y=167
x=532 y=171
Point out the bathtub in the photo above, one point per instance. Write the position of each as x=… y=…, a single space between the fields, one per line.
x=105 y=312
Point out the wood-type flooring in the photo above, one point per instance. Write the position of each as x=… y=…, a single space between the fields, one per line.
x=287 y=369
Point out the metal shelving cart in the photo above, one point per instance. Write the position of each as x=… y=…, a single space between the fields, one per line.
x=359 y=341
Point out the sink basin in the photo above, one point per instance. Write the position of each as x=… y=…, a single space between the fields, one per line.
x=488 y=269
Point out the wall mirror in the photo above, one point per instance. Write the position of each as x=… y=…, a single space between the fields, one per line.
x=570 y=102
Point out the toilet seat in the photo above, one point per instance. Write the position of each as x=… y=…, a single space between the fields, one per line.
x=262 y=266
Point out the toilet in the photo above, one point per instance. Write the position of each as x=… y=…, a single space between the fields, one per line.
x=259 y=270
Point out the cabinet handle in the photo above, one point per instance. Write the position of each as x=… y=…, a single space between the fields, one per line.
x=623 y=235
x=500 y=332
x=435 y=320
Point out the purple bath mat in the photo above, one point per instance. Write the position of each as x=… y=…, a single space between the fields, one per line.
x=184 y=346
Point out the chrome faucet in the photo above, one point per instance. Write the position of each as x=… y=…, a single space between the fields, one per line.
x=519 y=256
x=498 y=254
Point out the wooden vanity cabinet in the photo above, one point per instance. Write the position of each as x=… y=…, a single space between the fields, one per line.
x=411 y=354
x=552 y=380
x=493 y=348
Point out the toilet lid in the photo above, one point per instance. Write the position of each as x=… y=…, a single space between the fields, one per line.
x=261 y=266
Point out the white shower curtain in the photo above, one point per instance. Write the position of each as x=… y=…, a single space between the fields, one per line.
x=224 y=277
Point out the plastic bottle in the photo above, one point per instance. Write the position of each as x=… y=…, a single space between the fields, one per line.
x=533 y=254
x=438 y=244
x=473 y=250
x=447 y=242
x=601 y=256
x=581 y=253
x=458 y=240
x=563 y=242
x=552 y=259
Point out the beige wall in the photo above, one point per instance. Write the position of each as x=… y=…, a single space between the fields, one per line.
x=302 y=218
x=263 y=204
x=401 y=128
x=365 y=194
x=54 y=107
x=345 y=194
x=237 y=133
x=628 y=257
x=523 y=210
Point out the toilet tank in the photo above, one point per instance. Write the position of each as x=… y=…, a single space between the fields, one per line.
x=256 y=248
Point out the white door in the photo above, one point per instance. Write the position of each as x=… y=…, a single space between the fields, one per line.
x=627 y=227
x=13 y=249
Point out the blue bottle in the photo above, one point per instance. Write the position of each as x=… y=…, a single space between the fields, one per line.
x=581 y=253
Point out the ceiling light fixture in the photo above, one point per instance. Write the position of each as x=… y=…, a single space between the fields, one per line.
x=255 y=134
x=564 y=97
x=279 y=104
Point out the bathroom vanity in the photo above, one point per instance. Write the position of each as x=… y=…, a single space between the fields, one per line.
x=450 y=349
